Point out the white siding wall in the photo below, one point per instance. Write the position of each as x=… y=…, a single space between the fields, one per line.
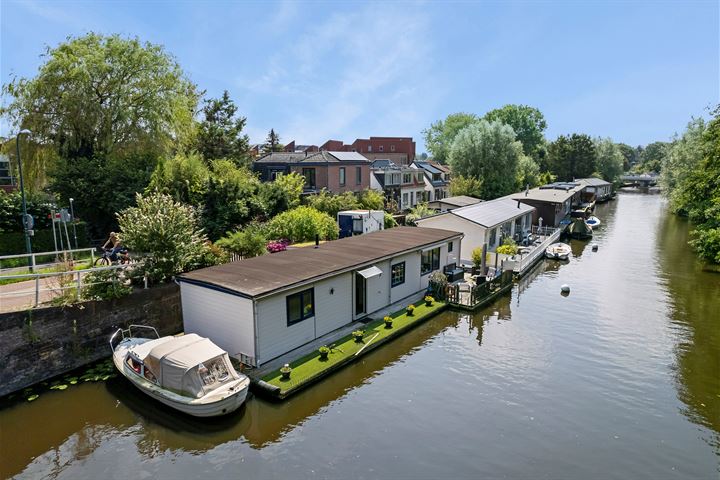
x=474 y=233
x=332 y=311
x=378 y=288
x=412 y=277
x=225 y=319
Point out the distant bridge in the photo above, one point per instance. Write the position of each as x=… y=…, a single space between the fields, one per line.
x=644 y=180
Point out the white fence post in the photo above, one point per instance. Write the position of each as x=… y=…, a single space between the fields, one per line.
x=79 y=285
x=37 y=291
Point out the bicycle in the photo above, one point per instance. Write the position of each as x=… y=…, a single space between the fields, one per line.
x=122 y=257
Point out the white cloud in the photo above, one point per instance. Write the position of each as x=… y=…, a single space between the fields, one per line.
x=349 y=69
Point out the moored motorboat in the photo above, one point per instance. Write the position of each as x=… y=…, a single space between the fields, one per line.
x=579 y=229
x=558 y=251
x=593 y=221
x=189 y=373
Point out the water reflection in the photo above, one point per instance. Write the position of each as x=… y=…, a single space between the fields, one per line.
x=533 y=385
x=694 y=296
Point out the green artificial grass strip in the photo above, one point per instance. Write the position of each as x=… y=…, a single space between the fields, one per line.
x=310 y=366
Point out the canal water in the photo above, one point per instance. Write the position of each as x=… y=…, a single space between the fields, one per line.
x=619 y=379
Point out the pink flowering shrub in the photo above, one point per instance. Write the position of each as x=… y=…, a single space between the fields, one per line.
x=277 y=246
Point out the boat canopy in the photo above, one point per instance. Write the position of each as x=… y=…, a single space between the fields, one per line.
x=190 y=365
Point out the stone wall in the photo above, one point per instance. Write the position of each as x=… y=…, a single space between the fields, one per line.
x=42 y=343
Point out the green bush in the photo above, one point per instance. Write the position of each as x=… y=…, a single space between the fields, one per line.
x=105 y=285
x=302 y=224
x=247 y=243
x=389 y=221
x=12 y=243
x=477 y=256
x=331 y=204
x=509 y=247
x=167 y=233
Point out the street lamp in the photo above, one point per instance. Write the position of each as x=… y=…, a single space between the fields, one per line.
x=72 y=214
x=27 y=222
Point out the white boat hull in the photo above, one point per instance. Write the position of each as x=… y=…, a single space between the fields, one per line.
x=558 y=251
x=221 y=401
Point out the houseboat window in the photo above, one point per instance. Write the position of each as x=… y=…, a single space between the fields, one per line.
x=357 y=225
x=407 y=178
x=300 y=306
x=342 y=176
x=358 y=175
x=429 y=261
x=405 y=199
x=309 y=174
x=450 y=247
x=493 y=236
x=398 y=274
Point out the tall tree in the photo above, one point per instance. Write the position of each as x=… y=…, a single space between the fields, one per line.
x=487 y=151
x=439 y=137
x=109 y=107
x=572 y=156
x=609 y=162
x=629 y=155
x=272 y=143
x=528 y=173
x=652 y=156
x=220 y=133
x=469 y=186
x=527 y=122
x=97 y=95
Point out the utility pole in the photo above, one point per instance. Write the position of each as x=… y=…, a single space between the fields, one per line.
x=27 y=222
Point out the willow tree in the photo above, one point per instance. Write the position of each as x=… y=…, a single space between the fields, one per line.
x=489 y=152
x=109 y=107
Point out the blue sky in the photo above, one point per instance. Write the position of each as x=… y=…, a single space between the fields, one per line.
x=314 y=70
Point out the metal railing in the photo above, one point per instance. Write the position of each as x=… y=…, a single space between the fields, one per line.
x=57 y=253
x=63 y=284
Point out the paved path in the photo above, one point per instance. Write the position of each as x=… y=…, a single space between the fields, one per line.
x=21 y=295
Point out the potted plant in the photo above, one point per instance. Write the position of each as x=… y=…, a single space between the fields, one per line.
x=388 y=322
x=410 y=310
x=285 y=371
x=358 y=335
x=324 y=352
x=429 y=300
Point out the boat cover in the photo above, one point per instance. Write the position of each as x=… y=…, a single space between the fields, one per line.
x=182 y=364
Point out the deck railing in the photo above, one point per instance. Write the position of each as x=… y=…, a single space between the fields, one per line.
x=472 y=296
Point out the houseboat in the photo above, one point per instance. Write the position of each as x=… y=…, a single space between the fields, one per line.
x=261 y=308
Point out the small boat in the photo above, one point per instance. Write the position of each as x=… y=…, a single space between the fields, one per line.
x=593 y=221
x=189 y=373
x=579 y=229
x=558 y=251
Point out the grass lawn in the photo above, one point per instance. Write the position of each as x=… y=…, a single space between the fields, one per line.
x=309 y=367
x=79 y=265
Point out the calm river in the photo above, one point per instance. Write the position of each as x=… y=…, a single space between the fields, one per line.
x=620 y=379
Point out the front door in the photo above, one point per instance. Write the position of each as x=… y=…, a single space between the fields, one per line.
x=360 y=294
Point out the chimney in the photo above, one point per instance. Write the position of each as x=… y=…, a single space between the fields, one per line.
x=317 y=240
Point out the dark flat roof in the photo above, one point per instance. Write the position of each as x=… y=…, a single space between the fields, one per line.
x=261 y=275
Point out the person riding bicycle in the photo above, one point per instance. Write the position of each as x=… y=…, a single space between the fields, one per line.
x=116 y=243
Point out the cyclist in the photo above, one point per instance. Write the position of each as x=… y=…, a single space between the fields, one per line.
x=116 y=243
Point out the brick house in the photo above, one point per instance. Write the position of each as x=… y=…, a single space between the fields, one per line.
x=337 y=172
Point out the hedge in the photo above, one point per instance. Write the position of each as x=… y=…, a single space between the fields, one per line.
x=13 y=243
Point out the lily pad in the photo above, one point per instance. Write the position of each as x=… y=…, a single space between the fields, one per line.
x=32 y=398
x=105 y=377
x=73 y=382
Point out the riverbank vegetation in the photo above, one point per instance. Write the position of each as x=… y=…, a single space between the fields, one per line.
x=690 y=176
